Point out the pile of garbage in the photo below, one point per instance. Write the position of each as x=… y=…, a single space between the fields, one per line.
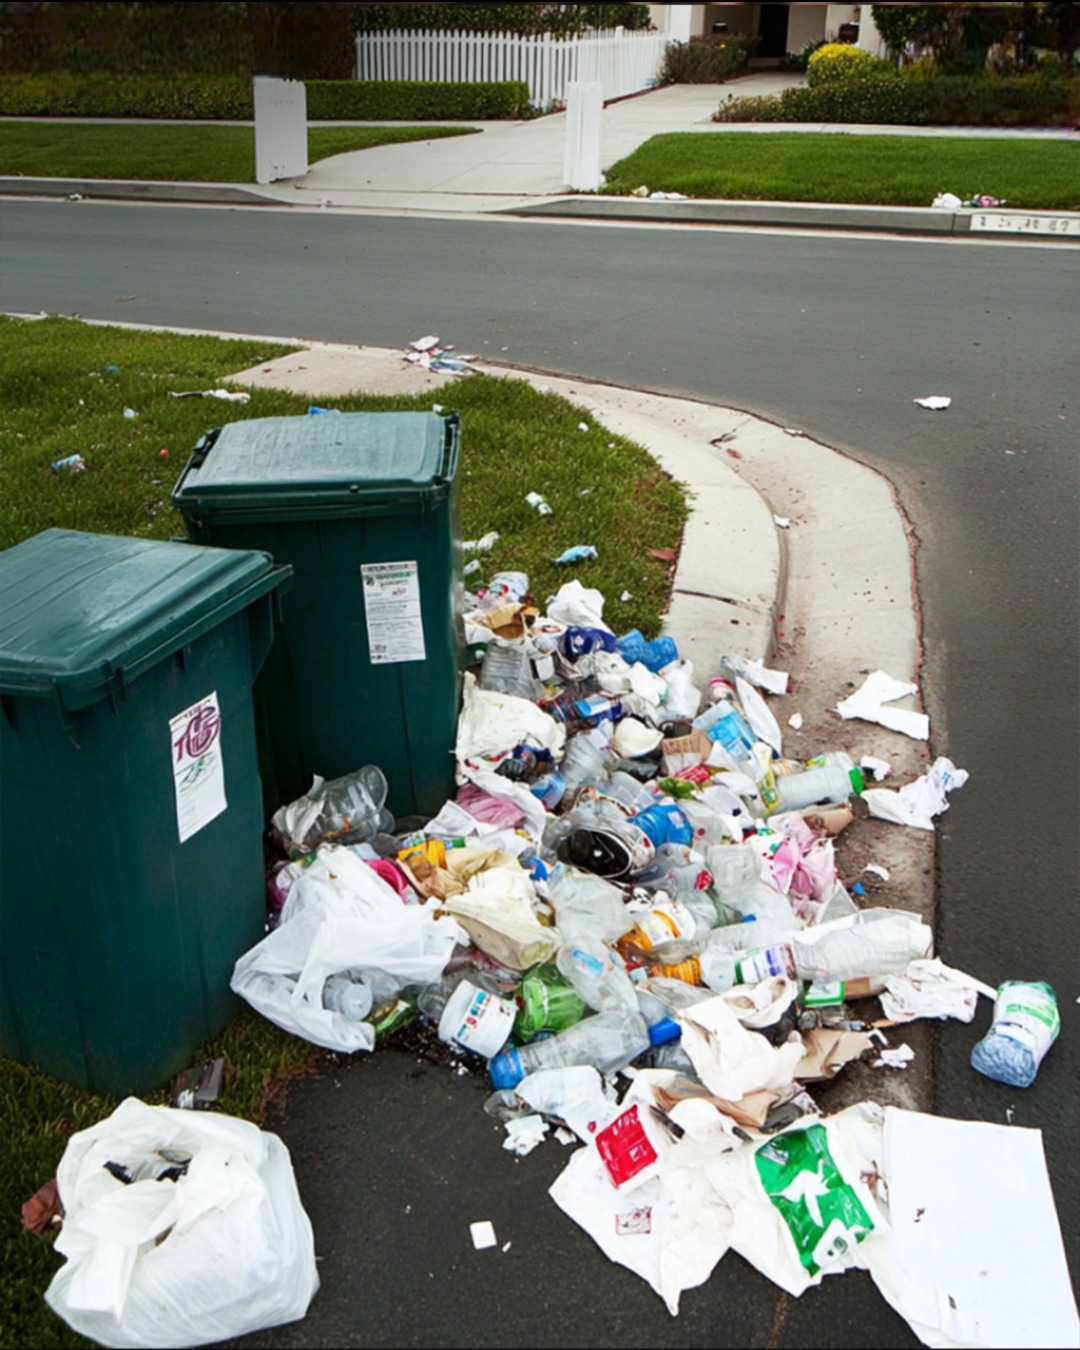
x=630 y=918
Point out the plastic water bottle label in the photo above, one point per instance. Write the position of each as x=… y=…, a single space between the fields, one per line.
x=1027 y=1013
x=663 y=923
x=764 y=963
x=588 y=965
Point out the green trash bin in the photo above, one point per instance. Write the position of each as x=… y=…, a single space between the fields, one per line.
x=367 y=664
x=130 y=803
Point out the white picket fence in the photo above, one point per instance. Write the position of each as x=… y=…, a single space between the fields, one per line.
x=624 y=63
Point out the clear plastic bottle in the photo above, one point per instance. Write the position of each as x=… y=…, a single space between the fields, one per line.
x=508 y=669
x=350 y=997
x=875 y=943
x=608 y=1041
x=688 y=919
x=722 y=970
x=825 y=785
x=583 y=762
x=723 y=722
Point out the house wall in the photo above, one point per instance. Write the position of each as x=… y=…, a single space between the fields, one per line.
x=739 y=18
x=870 y=39
x=835 y=15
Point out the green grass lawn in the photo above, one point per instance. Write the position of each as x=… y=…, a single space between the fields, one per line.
x=190 y=154
x=853 y=168
x=64 y=386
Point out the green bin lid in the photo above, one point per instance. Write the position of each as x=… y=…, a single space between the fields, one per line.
x=83 y=613
x=351 y=463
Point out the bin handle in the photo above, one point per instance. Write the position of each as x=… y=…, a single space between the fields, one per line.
x=452 y=443
x=203 y=447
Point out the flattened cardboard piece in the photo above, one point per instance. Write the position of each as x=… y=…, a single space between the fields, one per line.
x=828 y=1051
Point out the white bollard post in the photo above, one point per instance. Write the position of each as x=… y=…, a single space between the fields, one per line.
x=581 y=161
x=280 y=128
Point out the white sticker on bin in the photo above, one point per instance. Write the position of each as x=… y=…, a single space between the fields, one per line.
x=395 y=621
x=198 y=769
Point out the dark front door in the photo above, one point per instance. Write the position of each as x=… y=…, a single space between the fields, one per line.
x=772 y=26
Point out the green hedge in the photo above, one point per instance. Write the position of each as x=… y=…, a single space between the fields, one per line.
x=707 y=60
x=559 y=20
x=230 y=99
x=407 y=100
x=176 y=98
x=946 y=100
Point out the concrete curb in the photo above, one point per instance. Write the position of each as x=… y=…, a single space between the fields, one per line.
x=910 y=220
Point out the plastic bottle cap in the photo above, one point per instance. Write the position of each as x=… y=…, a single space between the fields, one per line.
x=506 y=1070
x=663 y=1031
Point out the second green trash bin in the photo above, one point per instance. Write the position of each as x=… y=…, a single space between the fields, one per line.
x=366 y=666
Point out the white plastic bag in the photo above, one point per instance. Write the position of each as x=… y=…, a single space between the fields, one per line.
x=340 y=915
x=223 y=1250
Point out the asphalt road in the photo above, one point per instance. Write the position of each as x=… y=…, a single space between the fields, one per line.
x=837 y=336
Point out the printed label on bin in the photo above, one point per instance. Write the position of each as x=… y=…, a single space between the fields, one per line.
x=395 y=622
x=198 y=770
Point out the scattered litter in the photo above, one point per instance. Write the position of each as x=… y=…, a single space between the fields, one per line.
x=772 y=681
x=928 y=988
x=579 y=553
x=917 y=803
x=784 y=522
x=935 y=402
x=524 y=1133
x=947 y=201
x=880 y=768
x=641 y=191
x=626 y=595
x=538 y=503
x=74 y=463
x=735 y=454
x=793 y=431
x=1026 y=1024
x=75 y=197
x=667 y=196
x=314 y=411
x=130 y=414
x=483 y=1234
x=43 y=1211
x=796 y=721
x=471 y=567
x=226 y=395
x=483 y=544
x=662 y=554
x=878 y=871
x=583 y=426
x=195 y=1088
x=163 y=453
x=429 y=355
x=893 y=1057
x=983 y=200
x=877 y=690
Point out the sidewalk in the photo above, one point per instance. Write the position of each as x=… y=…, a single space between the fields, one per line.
x=516 y=168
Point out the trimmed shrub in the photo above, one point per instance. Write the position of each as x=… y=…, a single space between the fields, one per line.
x=946 y=100
x=840 y=61
x=707 y=60
x=559 y=20
x=173 y=97
x=224 y=99
x=408 y=100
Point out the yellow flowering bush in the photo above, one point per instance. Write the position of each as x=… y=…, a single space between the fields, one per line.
x=841 y=61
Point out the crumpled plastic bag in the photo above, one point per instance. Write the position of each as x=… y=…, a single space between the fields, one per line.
x=917 y=803
x=930 y=989
x=496 y=911
x=578 y=606
x=224 y=1250
x=491 y=723
x=340 y=915
x=868 y=703
x=347 y=810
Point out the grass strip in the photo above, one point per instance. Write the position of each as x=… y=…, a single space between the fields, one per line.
x=853 y=168
x=172 y=151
